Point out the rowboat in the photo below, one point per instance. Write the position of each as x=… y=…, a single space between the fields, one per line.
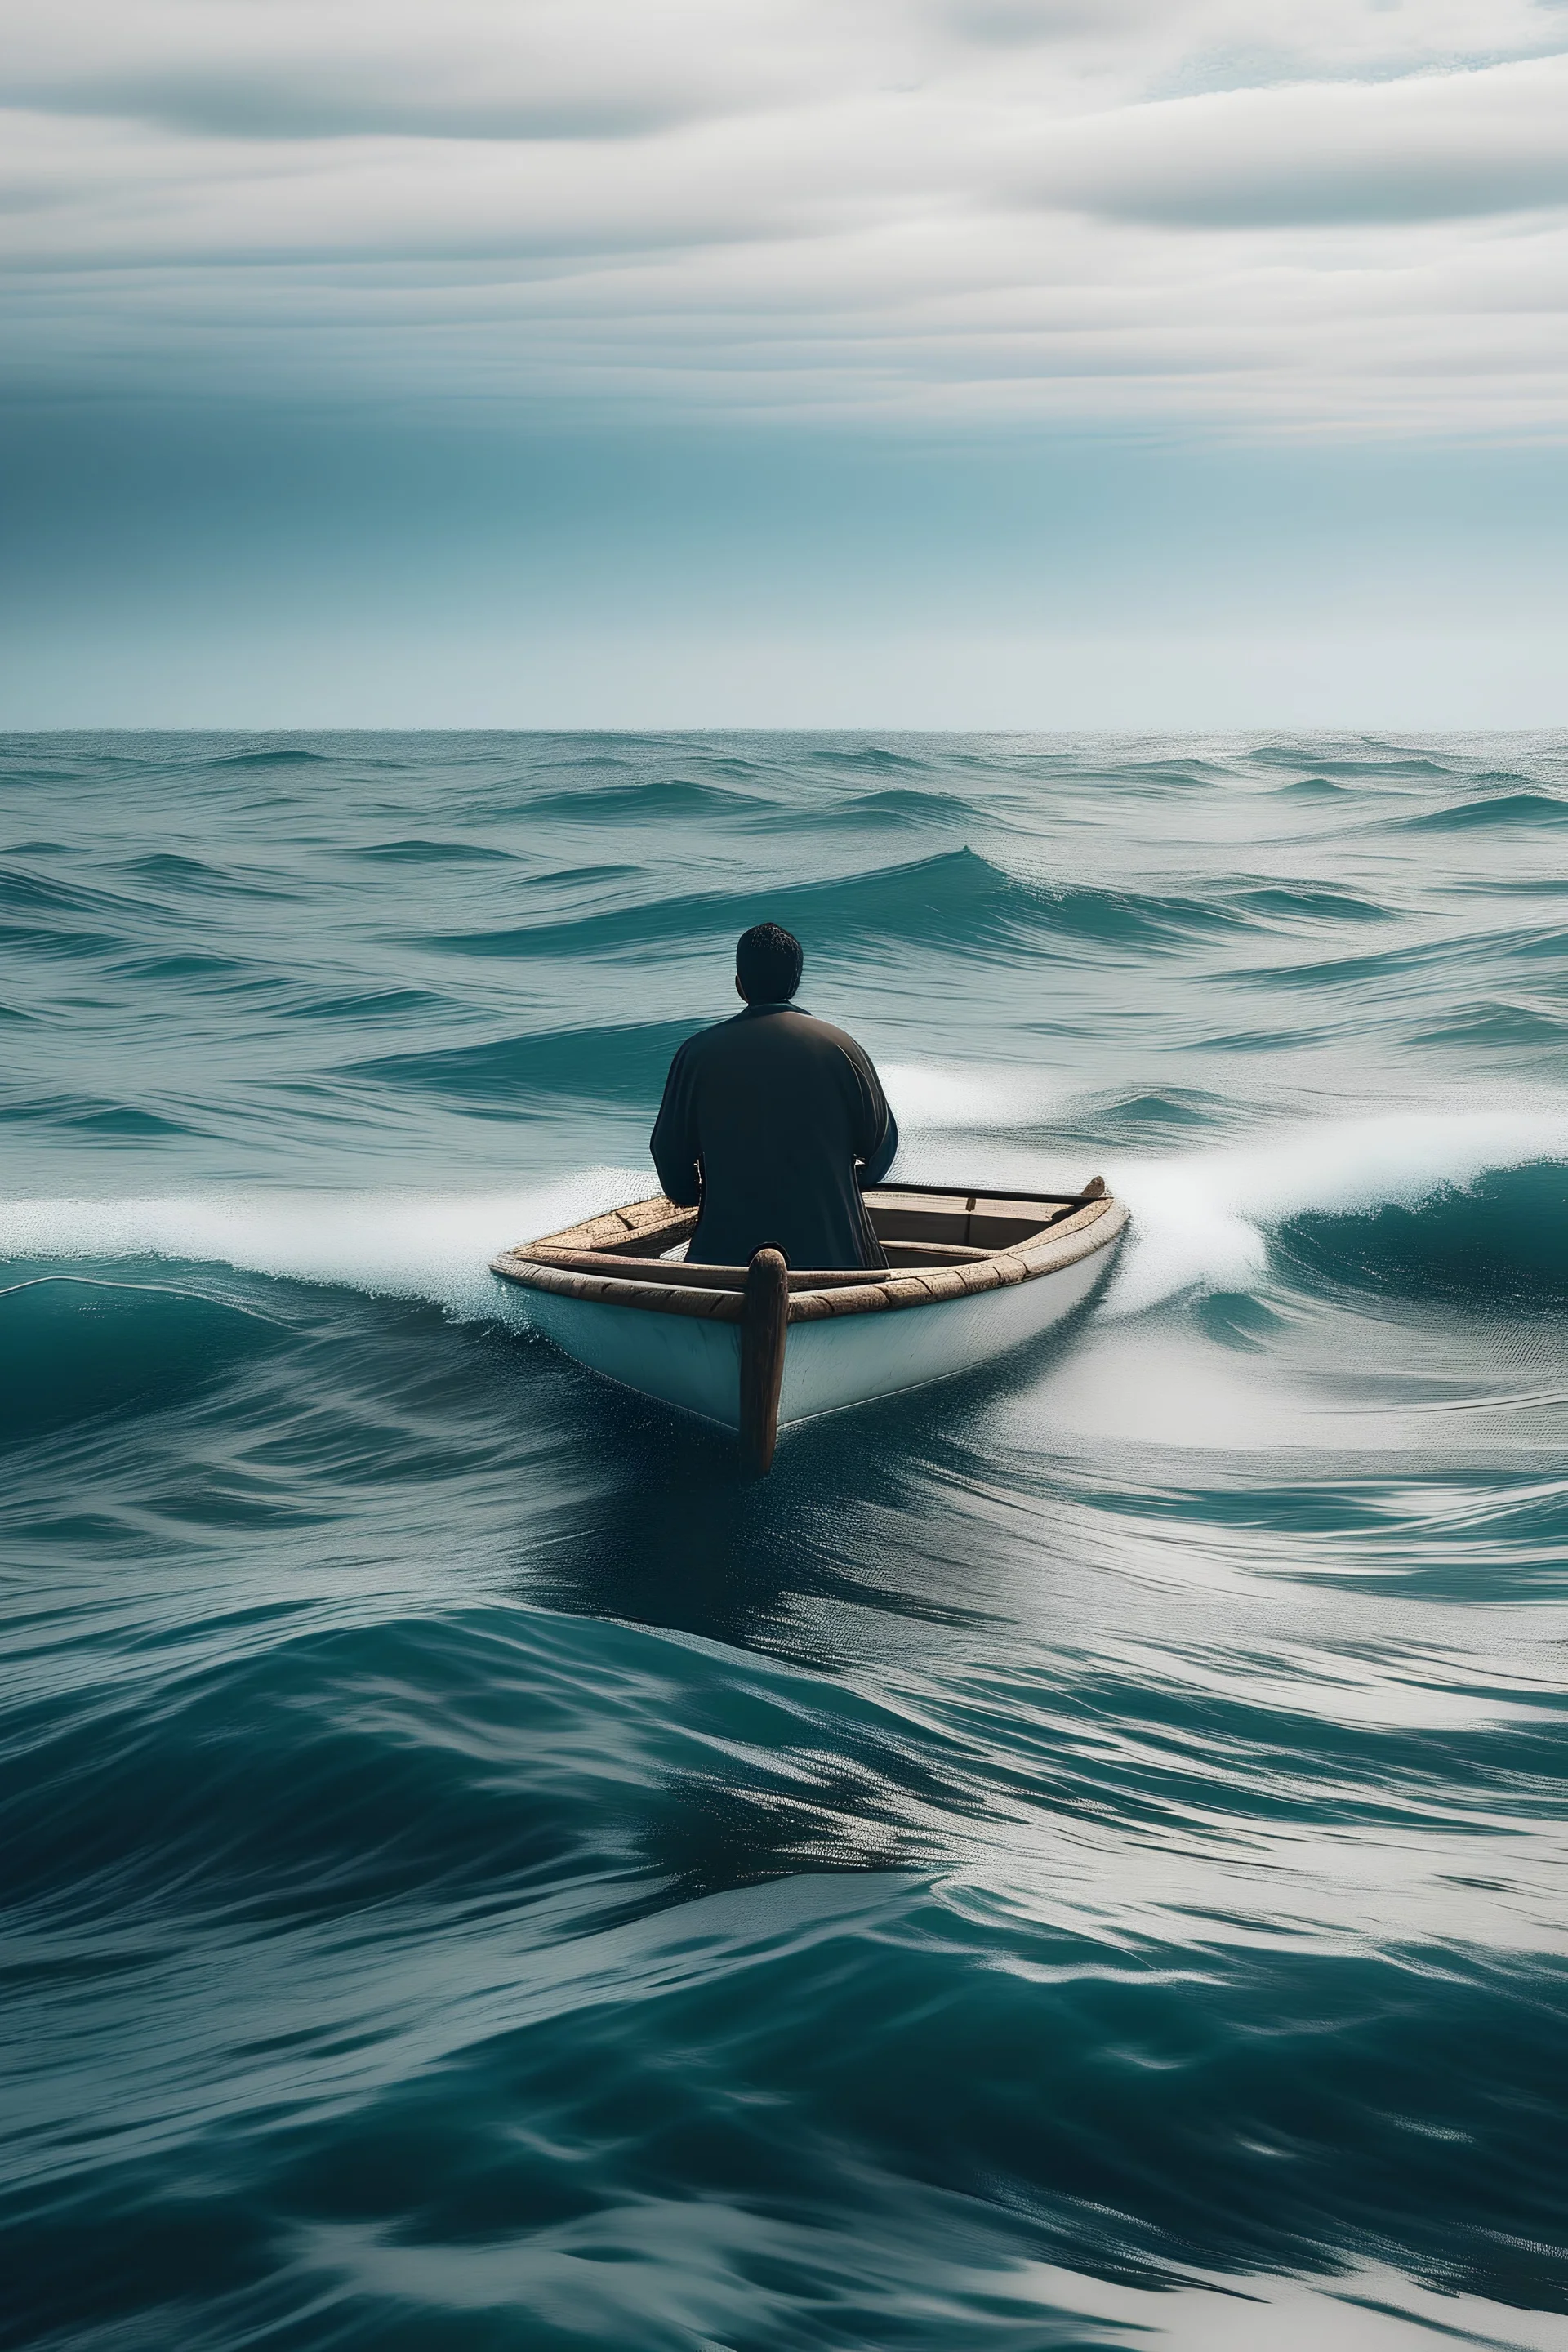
x=756 y=1348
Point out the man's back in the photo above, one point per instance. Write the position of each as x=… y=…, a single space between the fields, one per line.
x=763 y=1120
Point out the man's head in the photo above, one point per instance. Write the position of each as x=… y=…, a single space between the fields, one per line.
x=767 y=964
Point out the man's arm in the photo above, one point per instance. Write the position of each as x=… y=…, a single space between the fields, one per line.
x=674 y=1141
x=878 y=1139
x=881 y=1159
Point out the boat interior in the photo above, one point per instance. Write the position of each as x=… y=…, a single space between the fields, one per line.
x=919 y=1226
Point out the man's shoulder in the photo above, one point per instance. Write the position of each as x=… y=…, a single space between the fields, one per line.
x=784 y=1030
x=825 y=1038
x=703 y=1048
x=703 y=1041
x=828 y=1033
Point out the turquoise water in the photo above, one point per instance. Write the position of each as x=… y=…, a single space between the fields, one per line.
x=1076 y=1858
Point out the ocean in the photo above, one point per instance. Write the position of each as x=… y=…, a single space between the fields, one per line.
x=1074 y=1859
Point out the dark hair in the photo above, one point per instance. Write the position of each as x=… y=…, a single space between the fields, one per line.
x=767 y=964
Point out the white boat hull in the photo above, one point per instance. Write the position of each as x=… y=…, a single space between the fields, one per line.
x=830 y=1364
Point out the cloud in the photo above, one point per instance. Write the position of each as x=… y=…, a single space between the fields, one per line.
x=289 y=69
x=340 y=99
x=1027 y=24
x=1268 y=215
x=1438 y=147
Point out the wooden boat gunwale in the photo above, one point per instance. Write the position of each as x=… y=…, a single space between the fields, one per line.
x=615 y=1259
x=946 y=1247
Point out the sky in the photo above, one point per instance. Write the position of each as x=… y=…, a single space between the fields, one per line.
x=1023 y=364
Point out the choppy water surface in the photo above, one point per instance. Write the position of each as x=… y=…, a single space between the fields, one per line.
x=1077 y=1859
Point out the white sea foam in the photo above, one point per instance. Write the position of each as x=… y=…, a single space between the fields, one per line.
x=988 y=1099
x=1201 y=1218
x=397 y=1245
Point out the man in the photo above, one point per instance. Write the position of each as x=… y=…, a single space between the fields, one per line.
x=774 y=1121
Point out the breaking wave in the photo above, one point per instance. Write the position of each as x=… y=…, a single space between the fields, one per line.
x=1454 y=1201
x=389 y=1245
x=1383 y=1195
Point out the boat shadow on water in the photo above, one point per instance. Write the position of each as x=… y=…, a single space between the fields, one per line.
x=856 y=1550
x=676 y=1536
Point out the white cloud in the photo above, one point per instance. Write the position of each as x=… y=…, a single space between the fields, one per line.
x=1276 y=216
x=1431 y=147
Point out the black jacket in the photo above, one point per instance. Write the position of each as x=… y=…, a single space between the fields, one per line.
x=763 y=1121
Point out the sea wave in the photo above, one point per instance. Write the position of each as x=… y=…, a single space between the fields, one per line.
x=420 y=852
x=387 y=1244
x=958 y=901
x=1202 y=1221
x=1502 y=809
x=70 y=1348
x=1417 y=1196
x=510 y=1077
x=898 y=807
x=662 y=799
x=1502 y=1236
x=280 y=755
